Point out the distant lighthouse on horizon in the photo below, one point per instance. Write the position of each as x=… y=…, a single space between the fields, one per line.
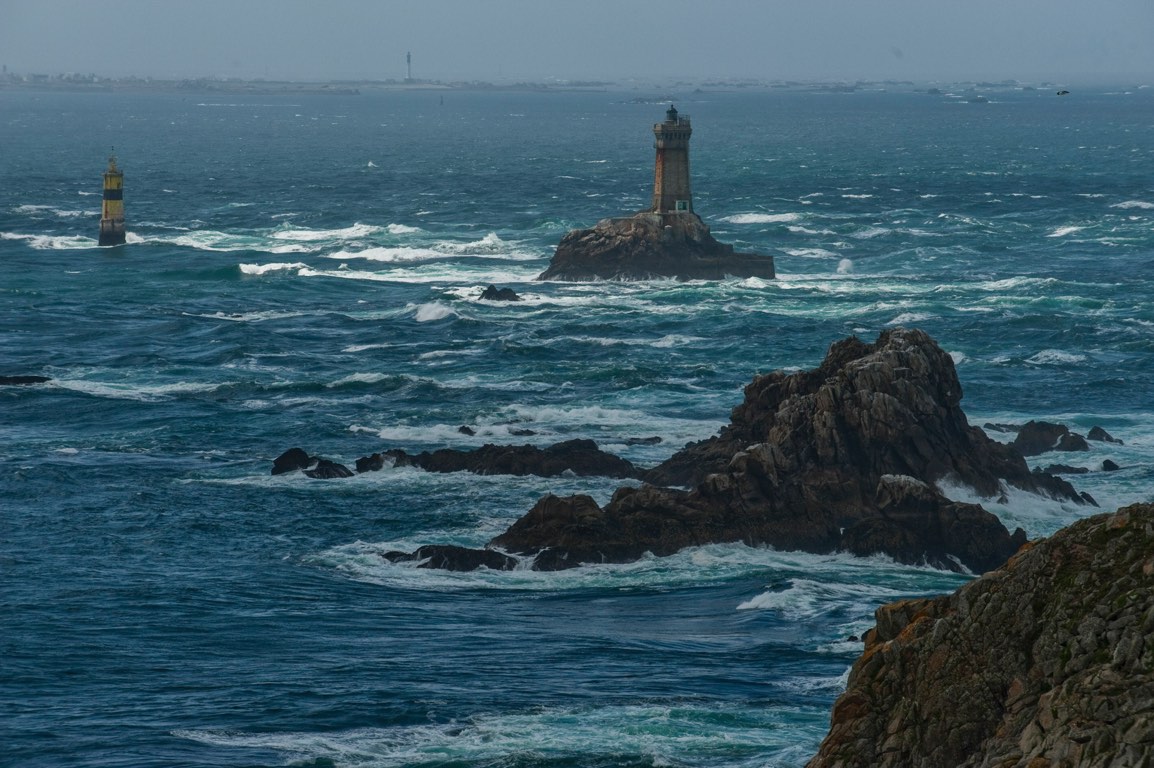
x=112 y=207
x=409 y=67
x=671 y=190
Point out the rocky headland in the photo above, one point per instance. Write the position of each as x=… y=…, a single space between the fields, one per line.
x=1046 y=662
x=651 y=245
x=842 y=457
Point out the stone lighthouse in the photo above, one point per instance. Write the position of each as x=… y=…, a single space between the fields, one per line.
x=112 y=209
x=671 y=191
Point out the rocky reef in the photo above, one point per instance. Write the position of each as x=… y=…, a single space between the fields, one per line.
x=843 y=457
x=649 y=245
x=1046 y=662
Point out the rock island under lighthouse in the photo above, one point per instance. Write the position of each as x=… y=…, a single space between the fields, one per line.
x=668 y=240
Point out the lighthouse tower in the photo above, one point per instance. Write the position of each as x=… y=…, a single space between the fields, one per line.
x=671 y=192
x=112 y=210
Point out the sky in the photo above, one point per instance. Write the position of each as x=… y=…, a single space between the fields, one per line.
x=618 y=40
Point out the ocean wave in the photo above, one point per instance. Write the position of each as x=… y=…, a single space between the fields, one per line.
x=301 y=234
x=62 y=213
x=761 y=218
x=655 y=734
x=53 y=242
x=1056 y=357
x=145 y=393
x=1063 y=231
x=1131 y=204
x=911 y=318
x=810 y=253
x=263 y=269
x=425 y=313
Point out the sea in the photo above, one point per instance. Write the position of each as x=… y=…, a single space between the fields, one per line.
x=304 y=270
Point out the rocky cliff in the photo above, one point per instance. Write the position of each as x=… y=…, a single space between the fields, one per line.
x=649 y=245
x=1045 y=662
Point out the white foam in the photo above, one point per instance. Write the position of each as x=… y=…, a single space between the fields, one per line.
x=393 y=255
x=301 y=234
x=762 y=218
x=402 y=229
x=1063 y=231
x=358 y=378
x=1056 y=357
x=52 y=242
x=845 y=267
x=810 y=253
x=911 y=318
x=870 y=232
x=857 y=197
x=1131 y=204
x=263 y=269
x=146 y=393
x=433 y=311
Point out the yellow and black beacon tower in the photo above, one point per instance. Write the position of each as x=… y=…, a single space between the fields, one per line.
x=112 y=209
x=671 y=192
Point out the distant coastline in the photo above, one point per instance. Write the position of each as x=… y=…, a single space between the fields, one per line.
x=96 y=83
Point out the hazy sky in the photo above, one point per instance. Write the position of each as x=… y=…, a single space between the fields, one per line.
x=506 y=40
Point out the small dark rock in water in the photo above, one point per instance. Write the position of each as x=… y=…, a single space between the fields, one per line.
x=991 y=427
x=467 y=431
x=328 y=470
x=373 y=463
x=493 y=293
x=450 y=557
x=16 y=380
x=854 y=639
x=1102 y=436
x=1064 y=469
x=1038 y=437
x=1109 y=466
x=642 y=440
x=582 y=457
x=522 y=432
x=1088 y=499
x=290 y=461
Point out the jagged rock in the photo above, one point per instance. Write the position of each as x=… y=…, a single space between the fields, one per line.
x=22 y=380
x=1100 y=435
x=328 y=470
x=1109 y=466
x=648 y=245
x=643 y=440
x=1064 y=469
x=291 y=460
x=466 y=430
x=804 y=462
x=1046 y=661
x=1037 y=437
x=450 y=557
x=915 y=524
x=493 y=293
x=522 y=432
x=582 y=457
x=373 y=463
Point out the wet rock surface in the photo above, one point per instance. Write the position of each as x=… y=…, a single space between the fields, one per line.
x=580 y=457
x=840 y=457
x=1047 y=661
x=651 y=245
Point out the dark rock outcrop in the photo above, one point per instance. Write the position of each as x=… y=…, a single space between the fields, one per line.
x=493 y=293
x=1102 y=436
x=581 y=457
x=22 y=380
x=328 y=470
x=373 y=463
x=290 y=461
x=835 y=458
x=450 y=557
x=1045 y=662
x=1037 y=437
x=648 y=245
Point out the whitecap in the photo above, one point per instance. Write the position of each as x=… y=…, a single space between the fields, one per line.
x=433 y=311
x=402 y=229
x=870 y=232
x=1056 y=357
x=1063 y=231
x=857 y=197
x=356 y=231
x=810 y=253
x=261 y=269
x=52 y=242
x=1130 y=204
x=845 y=267
x=761 y=218
x=910 y=318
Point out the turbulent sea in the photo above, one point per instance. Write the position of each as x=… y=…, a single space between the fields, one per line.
x=306 y=271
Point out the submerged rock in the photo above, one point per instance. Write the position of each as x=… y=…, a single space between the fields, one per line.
x=493 y=293
x=1100 y=435
x=649 y=245
x=581 y=457
x=22 y=380
x=450 y=557
x=1046 y=661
